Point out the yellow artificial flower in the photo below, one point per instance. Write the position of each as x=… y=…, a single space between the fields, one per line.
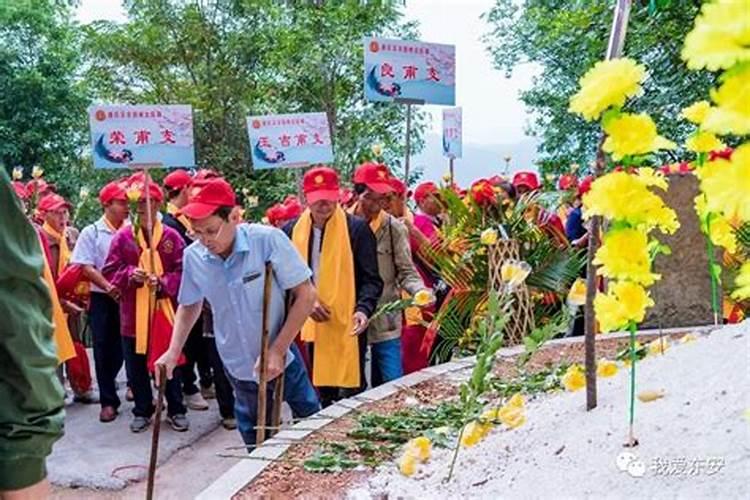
x=742 y=292
x=420 y=447
x=474 y=432
x=514 y=272
x=631 y=134
x=606 y=368
x=133 y=194
x=658 y=346
x=722 y=231
x=687 y=338
x=489 y=237
x=574 y=378
x=720 y=36
x=649 y=396
x=516 y=401
x=652 y=177
x=37 y=172
x=726 y=184
x=696 y=112
x=624 y=302
x=704 y=142
x=577 y=293
x=17 y=173
x=608 y=84
x=407 y=464
x=731 y=115
x=625 y=197
x=625 y=256
x=422 y=298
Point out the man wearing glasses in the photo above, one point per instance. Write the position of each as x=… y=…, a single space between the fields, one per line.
x=226 y=266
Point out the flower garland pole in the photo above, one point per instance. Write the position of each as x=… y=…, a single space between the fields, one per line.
x=614 y=50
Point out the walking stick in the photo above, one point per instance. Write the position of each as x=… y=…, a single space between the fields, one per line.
x=260 y=426
x=278 y=398
x=155 y=434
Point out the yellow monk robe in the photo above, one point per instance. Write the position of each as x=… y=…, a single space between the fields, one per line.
x=63 y=340
x=172 y=210
x=146 y=303
x=336 y=355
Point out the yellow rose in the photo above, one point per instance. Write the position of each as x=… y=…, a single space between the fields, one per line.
x=407 y=464
x=133 y=194
x=516 y=401
x=489 y=237
x=37 y=172
x=574 y=378
x=420 y=447
x=422 y=298
x=606 y=368
x=17 y=173
x=511 y=416
x=514 y=272
x=577 y=293
x=474 y=432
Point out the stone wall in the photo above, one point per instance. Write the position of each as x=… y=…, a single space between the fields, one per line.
x=683 y=296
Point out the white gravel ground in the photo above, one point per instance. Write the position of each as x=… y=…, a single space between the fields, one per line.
x=694 y=443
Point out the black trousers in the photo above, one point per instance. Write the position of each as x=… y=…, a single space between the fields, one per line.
x=104 y=318
x=196 y=352
x=224 y=391
x=329 y=395
x=140 y=382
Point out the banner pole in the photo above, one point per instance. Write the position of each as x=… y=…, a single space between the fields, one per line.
x=450 y=168
x=408 y=144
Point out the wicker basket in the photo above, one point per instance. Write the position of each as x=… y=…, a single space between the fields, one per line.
x=522 y=319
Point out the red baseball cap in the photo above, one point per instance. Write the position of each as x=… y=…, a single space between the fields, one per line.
x=276 y=213
x=38 y=187
x=528 y=179
x=206 y=173
x=585 y=185
x=20 y=190
x=321 y=183
x=52 y=202
x=399 y=187
x=292 y=207
x=567 y=181
x=112 y=191
x=177 y=179
x=205 y=198
x=375 y=176
x=424 y=190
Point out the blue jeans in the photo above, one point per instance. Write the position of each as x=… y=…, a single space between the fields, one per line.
x=386 y=361
x=298 y=393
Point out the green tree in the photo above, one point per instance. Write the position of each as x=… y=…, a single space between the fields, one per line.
x=42 y=101
x=566 y=38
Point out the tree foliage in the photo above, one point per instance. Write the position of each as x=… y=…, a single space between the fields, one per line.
x=565 y=38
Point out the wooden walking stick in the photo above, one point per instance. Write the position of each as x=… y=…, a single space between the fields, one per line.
x=260 y=426
x=155 y=433
x=278 y=398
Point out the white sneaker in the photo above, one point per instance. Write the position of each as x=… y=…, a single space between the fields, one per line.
x=196 y=402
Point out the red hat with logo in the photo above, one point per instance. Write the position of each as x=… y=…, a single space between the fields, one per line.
x=424 y=190
x=112 y=191
x=321 y=183
x=528 y=179
x=177 y=180
x=275 y=214
x=375 y=176
x=52 y=202
x=399 y=187
x=204 y=199
x=567 y=181
x=585 y=185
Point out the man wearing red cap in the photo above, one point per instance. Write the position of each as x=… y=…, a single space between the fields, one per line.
x=341 y=251
x=146 y=268
x=176 y=186
x=373 y=186
x=61 y=238
x=226 y=266
x=91 y=252
x=525 y=182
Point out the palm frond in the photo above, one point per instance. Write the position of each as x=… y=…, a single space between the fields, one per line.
x=558 y=271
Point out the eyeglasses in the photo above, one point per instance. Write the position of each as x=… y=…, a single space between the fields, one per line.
x=209 y=234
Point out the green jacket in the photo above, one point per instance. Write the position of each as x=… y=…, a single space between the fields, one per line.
x=398 y=274
x=31 y=397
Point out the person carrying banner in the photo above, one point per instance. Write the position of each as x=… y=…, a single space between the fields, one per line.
x=32 y=410
x=226 y=266
x=341 y=251
x=61 y=238
x=91 y=252
x=145 y=264
x=176 y=186
x=372 y=185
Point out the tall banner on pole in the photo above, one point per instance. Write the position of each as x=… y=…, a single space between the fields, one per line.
x=142 y=135
x=289 y=141
x=452 y=133
x=409 y=71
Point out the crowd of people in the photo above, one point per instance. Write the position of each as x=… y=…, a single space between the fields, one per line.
x=183 y=288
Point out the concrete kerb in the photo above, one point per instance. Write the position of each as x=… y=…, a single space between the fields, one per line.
x=242 y=474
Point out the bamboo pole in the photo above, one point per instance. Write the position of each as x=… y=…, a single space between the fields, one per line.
x=261 y=423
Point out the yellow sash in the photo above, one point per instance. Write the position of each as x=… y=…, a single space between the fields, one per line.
x=336 y=358
x=64 y=248
x=63 y=339
x=172 y=210
x=145 y=301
